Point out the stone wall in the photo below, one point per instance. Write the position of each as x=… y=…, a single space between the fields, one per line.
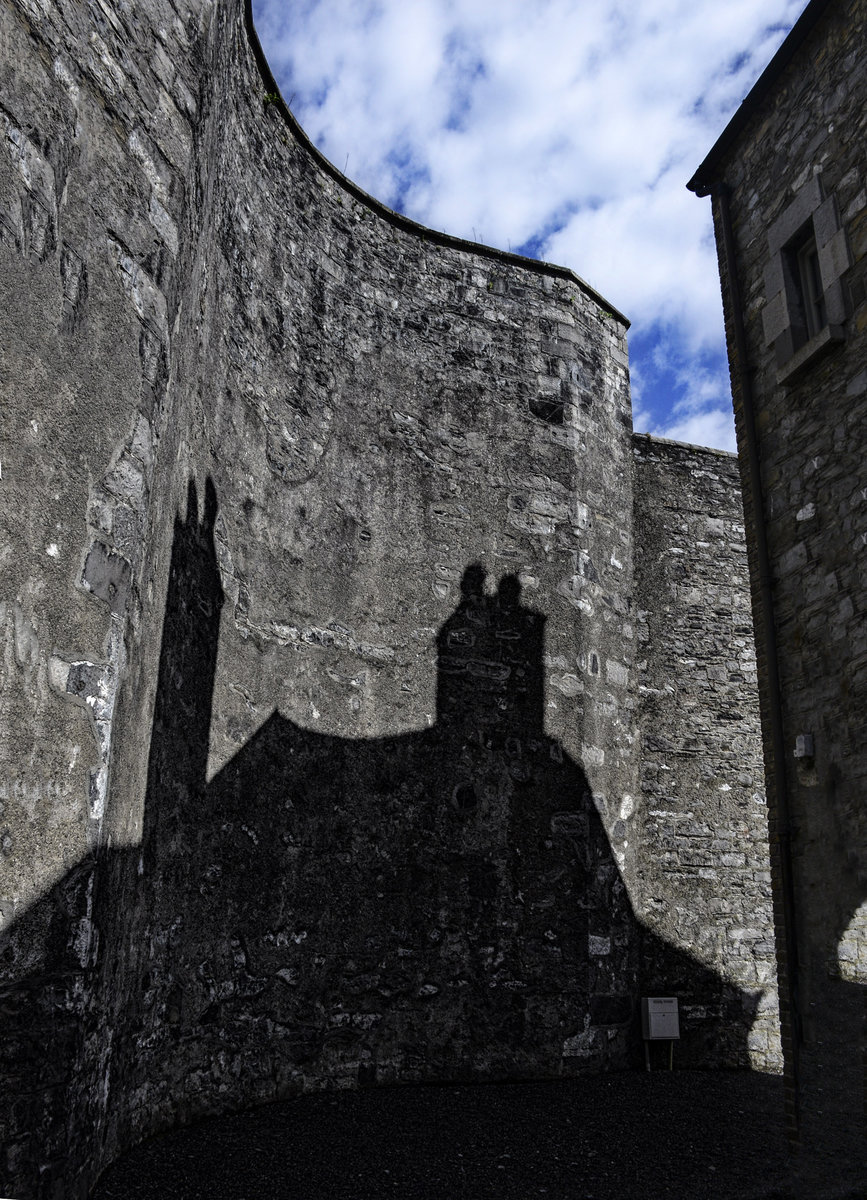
x=376 y=739
x=796 y=169
x=98 y=107
x=704 y=875
x=321 y=708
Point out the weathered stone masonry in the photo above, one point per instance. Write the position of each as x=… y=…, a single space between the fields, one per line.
x=702 y=824
x=339 y=742
x=789 y=171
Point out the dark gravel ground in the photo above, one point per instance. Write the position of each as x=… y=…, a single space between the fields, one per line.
x=681 y=1134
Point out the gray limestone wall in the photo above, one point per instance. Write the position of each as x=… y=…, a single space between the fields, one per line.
x=701 y=820
x=810 y=399
x=98 y=110
x=393 y=696
x=321 y=700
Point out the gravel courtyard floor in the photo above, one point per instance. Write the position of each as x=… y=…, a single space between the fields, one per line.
x=680 y=1134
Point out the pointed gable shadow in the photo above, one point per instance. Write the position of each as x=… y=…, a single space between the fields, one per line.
x=437 y=906
x=441 y=904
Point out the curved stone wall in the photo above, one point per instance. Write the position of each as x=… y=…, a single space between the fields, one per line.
x=412 y=578
x=321 y=744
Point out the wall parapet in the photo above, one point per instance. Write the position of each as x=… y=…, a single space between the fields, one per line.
x=436 y=236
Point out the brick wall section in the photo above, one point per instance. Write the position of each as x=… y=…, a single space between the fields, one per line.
x=704 y=874
x=811 y=434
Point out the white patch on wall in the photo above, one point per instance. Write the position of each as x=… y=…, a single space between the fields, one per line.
x=568 y=685
x=583 y=1044
x=617 y=673
x=592 y=756
x=852 y=950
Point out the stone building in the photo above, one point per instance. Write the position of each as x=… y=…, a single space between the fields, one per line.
x=788 y=180
x=375 y=705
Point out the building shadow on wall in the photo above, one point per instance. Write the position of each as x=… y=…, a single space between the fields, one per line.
x=440 y=905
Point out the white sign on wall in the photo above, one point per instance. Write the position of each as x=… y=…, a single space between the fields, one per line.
x=659 y=1018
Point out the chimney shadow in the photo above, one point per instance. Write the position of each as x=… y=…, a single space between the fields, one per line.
x=442 y=905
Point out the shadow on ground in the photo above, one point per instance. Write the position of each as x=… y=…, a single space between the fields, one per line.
x=625 y=1135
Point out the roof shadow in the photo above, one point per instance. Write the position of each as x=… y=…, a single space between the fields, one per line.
x=437 y=906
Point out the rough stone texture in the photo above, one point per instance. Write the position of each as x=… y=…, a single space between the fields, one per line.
x=321 y=711
x=806 y=138
x=704 y=874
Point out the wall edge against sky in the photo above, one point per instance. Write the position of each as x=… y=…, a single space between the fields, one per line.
x=439 y=237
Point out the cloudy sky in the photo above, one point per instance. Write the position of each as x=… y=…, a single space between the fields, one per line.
x=561 y=129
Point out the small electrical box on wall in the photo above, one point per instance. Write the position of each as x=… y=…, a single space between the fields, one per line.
x=659 y=1018
x=804 y=745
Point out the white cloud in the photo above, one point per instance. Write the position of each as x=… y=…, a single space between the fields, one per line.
x=714 y=427
x=573 y=124
x=650 y=251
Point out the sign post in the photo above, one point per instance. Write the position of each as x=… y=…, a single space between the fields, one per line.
x=660 y=1022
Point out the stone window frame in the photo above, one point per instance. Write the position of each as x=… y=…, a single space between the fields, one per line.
x=810 y=219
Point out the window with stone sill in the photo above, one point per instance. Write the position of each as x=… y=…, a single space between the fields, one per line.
x=806 y=274
x=804 y=299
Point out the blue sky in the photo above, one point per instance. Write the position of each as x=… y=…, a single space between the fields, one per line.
x=561 y=129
